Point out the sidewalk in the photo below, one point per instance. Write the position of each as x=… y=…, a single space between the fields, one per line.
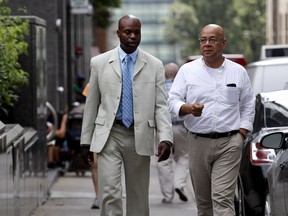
x=73 y=195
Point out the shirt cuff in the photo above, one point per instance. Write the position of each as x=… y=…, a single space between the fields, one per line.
x=169 y=143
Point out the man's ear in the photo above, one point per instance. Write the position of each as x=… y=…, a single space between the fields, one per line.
x=225 y=42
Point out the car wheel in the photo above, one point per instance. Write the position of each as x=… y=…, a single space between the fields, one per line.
x=239 y=199
x=268 y=205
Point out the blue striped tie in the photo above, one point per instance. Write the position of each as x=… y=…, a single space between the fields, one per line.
x=127 y=96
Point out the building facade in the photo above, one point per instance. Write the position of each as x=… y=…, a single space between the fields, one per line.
x=277 y=22
x=68 y=45
x=153 y=15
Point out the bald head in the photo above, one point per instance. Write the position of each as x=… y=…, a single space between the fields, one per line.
x=129 y=33
x=213 y=28
x=124 y=19
x=212 y=45
x=171 y=70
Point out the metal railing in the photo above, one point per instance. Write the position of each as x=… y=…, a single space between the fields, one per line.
x=23 y=182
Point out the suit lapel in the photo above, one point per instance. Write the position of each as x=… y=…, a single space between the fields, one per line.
x=140 y=62
x=116 y=65
x=115 y=62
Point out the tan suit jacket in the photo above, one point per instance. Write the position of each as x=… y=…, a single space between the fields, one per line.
x=149 y=102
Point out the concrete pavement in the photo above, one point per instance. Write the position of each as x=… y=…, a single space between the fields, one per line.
x=73 y=195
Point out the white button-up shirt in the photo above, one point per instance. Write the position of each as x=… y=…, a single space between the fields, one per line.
x=225 y=108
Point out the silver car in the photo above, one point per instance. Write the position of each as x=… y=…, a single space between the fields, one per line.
x=252 y=194
x=277 y=173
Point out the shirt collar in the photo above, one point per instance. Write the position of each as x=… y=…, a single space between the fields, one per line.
x=169 y=80
x=133 y=55
x=222 y=66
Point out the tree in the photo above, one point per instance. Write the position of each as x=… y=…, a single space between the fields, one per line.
x=180 y=27
x=243 y=21
x=12 y=44
x=249 y=27
x=101 y=20
x=101 y=13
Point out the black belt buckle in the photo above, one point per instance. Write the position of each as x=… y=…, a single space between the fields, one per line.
x=119 y=122
x=230 y=133
x=214 y=135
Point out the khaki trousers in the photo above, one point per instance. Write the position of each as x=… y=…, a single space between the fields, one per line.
x=120 y=150
x=214 y=166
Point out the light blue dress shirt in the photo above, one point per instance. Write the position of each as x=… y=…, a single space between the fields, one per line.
x=122 y=55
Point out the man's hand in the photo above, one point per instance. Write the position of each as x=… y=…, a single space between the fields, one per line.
x=195 y=109
x=243 y=133
x=164 y=150
x=87 y=155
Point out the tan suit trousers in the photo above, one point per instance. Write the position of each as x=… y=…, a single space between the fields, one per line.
x=120 y=150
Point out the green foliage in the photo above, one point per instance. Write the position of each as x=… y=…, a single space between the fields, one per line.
x=181 y=27
x=249 y=27
x=101 y=13
x=12 y=44
x=244 y=22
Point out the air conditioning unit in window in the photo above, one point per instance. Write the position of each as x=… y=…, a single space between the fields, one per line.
x=274 y=51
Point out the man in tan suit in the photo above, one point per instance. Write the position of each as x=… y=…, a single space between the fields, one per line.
x=105 y=129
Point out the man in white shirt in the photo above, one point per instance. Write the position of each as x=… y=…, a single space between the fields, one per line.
x=174 y=172
x=215 y=97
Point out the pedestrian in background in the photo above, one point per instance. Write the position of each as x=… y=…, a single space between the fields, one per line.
x=174 y=171
x=215 y=97
x=94 y=166
x=55 y=147
x=126 y=104
x=94 y=172
x=78 y=88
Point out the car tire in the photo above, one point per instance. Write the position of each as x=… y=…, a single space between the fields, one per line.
x=268 y=205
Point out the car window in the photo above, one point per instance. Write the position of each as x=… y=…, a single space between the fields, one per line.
x=276 y=114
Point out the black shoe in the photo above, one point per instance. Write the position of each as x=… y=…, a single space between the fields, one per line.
x=60 y=164
x=181 y=194
x=51 y=165
x=95 y=204
x=166 y=201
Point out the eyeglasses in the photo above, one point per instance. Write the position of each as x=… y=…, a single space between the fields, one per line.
x=211 y=40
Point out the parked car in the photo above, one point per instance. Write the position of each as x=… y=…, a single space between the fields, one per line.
x=274 y=51
x=271 y=115
x=277 y=174
x=269 y=74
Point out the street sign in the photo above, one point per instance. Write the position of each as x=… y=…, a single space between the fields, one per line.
x=81 y=7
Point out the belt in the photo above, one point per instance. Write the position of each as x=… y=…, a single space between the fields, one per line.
x=215 y=135
x=119 y=122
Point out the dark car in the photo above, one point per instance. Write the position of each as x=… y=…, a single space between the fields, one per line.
x=271 y=116
x=277 y=174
